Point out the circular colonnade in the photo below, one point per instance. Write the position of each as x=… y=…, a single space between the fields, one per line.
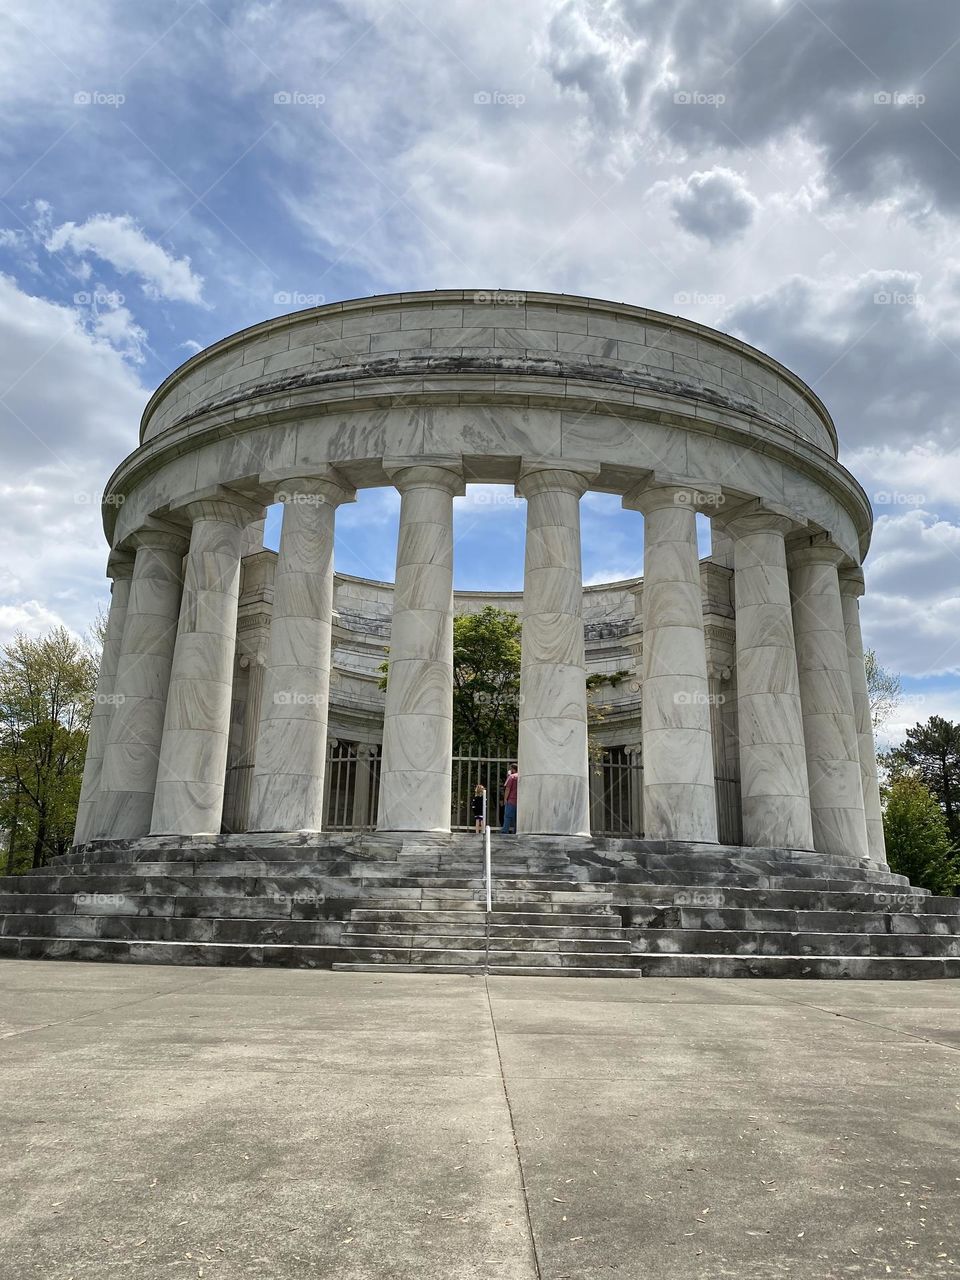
x=556 y=395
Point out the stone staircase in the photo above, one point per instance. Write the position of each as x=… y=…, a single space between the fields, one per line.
x=564 y=907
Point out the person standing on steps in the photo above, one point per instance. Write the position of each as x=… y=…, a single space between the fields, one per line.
x=510 y=802
x=479 y=807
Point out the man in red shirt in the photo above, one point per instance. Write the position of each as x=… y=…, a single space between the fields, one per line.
x=510 y=802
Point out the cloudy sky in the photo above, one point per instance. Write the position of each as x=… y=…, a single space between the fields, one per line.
x=788 y=172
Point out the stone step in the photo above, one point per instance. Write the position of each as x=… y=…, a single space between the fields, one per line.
x=812 y=898
x=704 y=879
x=498 y=970
x=167 y=929
x=192 y=953
x=742 y=864
x=629 y=897
x=890 y=968
x=479 y=956
x=479 y=927
x=599 y=917
x=733 y=942
x=878 y=921
x=470 y=877
x=514 y=941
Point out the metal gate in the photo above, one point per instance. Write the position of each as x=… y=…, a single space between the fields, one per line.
x=352 y=786
x=616 y=791
x=470 y=766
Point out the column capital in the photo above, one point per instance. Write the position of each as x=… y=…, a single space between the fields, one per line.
x=851 y=582
x=217 y=502
x=120 y=564
x=756 y=515
x=718 y=670
x=323 y=482
x=541 y=477
x=816 y=549
x=661 y=489
x=159 y=536
x=424 y=471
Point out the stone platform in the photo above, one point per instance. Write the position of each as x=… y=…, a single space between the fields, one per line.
x=562 y=906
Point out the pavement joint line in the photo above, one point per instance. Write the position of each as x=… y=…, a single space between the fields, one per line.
x=91 y=1013
x=513 y=1132
x=882 y=1026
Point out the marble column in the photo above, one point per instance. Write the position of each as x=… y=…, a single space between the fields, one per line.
x=120 y=568
x=246 y=759
x=287 y=790
x=143 y=677
x=193 y=751
x=415 y=775
x=553 y=797
x=774 y=794
x=851 y=589
x=829 y=727
x=679 y=800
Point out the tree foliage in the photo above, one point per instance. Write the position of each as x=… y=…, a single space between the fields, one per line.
x=883 y=689
x=46 y=695
x=931 y=752
x=917 y=836
x=486 y=679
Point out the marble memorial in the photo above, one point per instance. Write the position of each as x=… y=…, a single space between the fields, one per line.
x=428 y=392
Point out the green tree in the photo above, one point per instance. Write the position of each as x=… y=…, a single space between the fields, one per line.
x=917 y=836
x=932 y=753
x=486 y=679
x=883 y=689
x=46 y=695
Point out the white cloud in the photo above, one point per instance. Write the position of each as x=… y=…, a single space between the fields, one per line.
x=910 y=477
x=911 y=609
x=716 y=205
x=30 y=616
x=118 y=240
x=69 y=411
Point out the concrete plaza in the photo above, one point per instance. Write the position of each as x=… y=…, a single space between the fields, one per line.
x=178 y=1122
